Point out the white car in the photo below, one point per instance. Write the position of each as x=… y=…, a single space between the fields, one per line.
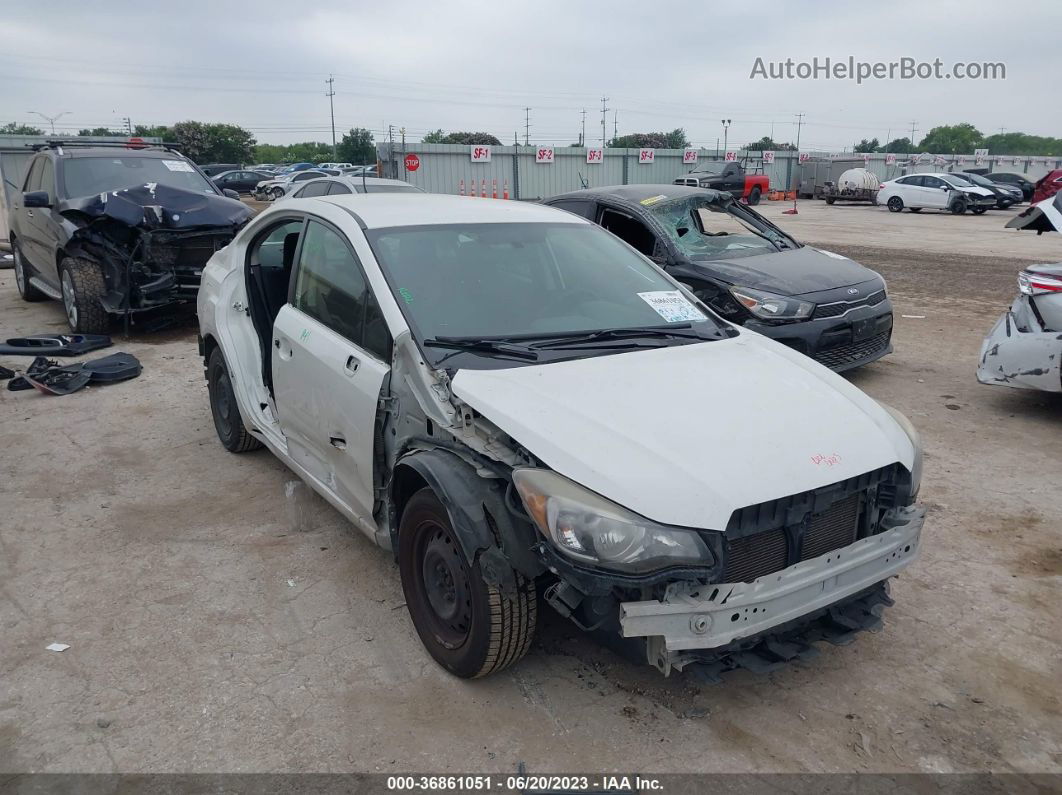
x=917 y=192
x=333 y=186
x=278 y=186
x=507 y=396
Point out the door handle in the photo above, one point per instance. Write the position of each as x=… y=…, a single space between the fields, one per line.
x=29 y=213
x=352 y=365
x=338 y=442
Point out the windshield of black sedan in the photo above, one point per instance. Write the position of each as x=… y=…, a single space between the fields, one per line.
x=523 y=280
x=724 y=235
x=84 y=176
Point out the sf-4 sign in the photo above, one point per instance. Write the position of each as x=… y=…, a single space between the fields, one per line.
x=646 y=155
x=768 y=157
x=595 y=155
x=689 y=156
x=544 y=154
x=480 y=153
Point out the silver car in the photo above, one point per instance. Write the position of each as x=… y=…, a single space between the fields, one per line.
x=275 y=188
x=339 y=185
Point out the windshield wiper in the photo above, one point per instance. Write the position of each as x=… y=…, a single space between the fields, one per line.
x=684 y=330
x=482 y=344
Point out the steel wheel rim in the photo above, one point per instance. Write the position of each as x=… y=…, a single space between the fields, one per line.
x=223 y=403
x=68 y=299
x=446 y=587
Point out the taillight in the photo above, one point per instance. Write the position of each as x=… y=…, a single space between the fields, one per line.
x=1033 y=283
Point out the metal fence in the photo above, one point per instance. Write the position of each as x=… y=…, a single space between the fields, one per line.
x=449 y=168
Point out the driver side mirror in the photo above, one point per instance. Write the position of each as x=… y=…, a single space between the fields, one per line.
x=36 y=198
x=231 y=193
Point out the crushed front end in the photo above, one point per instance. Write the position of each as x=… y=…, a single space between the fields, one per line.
x=783 y=575
x=151 y=241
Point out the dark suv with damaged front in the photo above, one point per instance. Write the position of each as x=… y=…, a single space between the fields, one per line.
x=748 y=270
x=116 y=230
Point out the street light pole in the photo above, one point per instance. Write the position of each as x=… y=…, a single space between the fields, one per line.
x=726 y=127
x=50 y=119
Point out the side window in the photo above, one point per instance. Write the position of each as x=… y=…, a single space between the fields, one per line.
x=580 y=207
x=315 y=189
x=630 y=230
x=933 y=182
x=33 y=176
x=47 y=180
x=304 y=176
x=277 y=249
x=917 y=182
x=337 y=188
x=330 y=287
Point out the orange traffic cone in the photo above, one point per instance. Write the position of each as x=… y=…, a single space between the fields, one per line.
x=483 y=189
x=461 y=188
x=505 y=189
x=494 y=189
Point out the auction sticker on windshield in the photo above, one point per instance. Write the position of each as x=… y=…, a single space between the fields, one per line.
x=177 y=165
x=672 y=306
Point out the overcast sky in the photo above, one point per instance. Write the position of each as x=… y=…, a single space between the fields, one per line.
x=475 y=65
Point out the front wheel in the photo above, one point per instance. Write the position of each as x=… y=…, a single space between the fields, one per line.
x=471 y=628
x=958 y=207
x=83 y=289
x=830 y=199
x=895 y=204
x=754 y=197
x=277 y=193
x=228 y=422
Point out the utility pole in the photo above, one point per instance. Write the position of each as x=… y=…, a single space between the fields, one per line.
x=527 y=126
x=726 y=128
x=604 y=111
x=582 y=135
x=391 y=151
x=615 y=125
x=128 y=125
x=913 y=131
x=331 y=107
x=799 y=123
x=1002 y=130
x=50 y=119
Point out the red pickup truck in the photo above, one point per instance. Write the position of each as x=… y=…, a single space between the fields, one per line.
x=728 y=176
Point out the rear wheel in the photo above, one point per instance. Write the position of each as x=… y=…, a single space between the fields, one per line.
x=228 y=422
x=22 y=276
x=83 y=288
x=895 y=204
x=754 y=196
x=471 y=628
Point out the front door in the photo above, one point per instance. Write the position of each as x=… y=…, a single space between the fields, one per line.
x=331 y=355
x=935 y=192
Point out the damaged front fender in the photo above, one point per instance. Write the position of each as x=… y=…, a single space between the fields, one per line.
x=1018 y=353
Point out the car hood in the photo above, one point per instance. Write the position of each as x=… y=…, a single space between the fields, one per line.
x=977 y=190
x=686 y=435
x=790 y=272
x=155 y=206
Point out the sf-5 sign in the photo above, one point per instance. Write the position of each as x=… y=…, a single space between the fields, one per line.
x=689 y=156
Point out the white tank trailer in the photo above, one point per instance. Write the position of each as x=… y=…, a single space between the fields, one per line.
x=854 y=185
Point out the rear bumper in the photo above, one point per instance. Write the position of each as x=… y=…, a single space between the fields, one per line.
x=859 y=337
x=1030 y=359
x=714 y=616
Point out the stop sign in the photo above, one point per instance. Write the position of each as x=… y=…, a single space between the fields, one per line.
x=412 y=162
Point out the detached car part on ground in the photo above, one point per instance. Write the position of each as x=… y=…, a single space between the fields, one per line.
x=1024 y=348
x=748 y=270
x=117 y=250
x=509 y=398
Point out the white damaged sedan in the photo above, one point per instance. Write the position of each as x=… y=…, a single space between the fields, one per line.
x=515 y=402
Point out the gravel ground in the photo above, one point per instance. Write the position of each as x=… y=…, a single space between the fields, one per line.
x=207 y=633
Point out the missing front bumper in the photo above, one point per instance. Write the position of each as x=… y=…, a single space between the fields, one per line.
x=715 y=616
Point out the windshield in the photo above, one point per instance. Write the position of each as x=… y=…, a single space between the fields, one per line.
x=712 y=167
x=958 y=180
x=385 y=188
x=977 y=179
x=84 y=176
x=725 y=234
x=525 y=280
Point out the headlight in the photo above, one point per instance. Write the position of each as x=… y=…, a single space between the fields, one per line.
x=916 y=442
x=770 y=306
x=590 y=529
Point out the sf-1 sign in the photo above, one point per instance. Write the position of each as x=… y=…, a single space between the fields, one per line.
x=480 y=154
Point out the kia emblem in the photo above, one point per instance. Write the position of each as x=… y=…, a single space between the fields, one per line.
x=853 y=291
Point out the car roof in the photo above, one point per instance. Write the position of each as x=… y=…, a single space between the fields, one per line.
x=115 y=151
x=636 y=193
x=381 y=210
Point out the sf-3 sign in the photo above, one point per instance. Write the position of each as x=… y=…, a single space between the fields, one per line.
x=595 y=155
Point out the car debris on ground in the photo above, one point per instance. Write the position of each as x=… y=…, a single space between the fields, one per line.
x=51 y=378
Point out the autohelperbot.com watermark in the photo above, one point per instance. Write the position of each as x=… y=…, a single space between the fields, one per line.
x=905 y=68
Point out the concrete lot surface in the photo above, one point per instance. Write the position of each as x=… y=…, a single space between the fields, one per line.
x=207 y=633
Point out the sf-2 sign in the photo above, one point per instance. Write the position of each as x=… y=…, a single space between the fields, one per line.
x=544 y=154
x=646 y=155
x=479 y=153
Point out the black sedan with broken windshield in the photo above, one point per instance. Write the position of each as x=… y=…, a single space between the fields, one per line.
x=751 y=272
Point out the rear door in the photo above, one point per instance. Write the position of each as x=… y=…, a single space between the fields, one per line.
x=331 y=355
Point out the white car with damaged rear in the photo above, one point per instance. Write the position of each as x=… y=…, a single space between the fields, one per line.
x=514 y=401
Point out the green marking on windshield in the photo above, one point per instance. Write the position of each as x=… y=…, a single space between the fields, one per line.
x=407 y=296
